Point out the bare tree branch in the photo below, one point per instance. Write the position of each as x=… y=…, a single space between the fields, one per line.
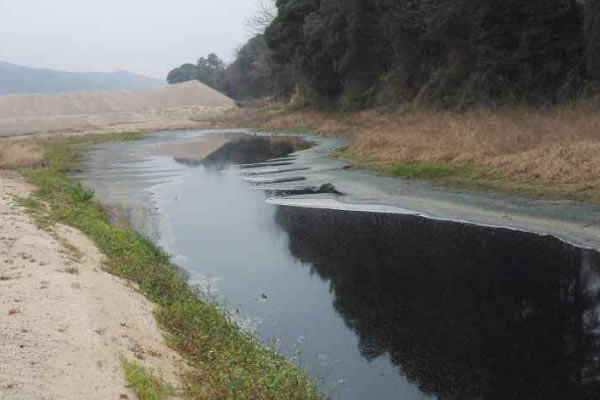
x=265 y=14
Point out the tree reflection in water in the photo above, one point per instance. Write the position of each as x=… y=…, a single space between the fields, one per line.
x=466 y=312
x=248 y=150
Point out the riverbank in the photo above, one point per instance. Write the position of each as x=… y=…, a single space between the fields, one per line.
x=221 y=360
x=542 y=153
x=66 y=326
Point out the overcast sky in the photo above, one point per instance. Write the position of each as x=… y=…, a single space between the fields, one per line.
x=144 y=36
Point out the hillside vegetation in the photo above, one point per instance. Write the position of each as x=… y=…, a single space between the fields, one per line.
x=442 y=52
x=353 y=54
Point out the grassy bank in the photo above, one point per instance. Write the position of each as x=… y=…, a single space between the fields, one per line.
x=225 y=361
x=145 y=385
x=543 y=152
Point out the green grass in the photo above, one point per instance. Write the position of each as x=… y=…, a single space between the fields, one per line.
x=64 y=153
x=227 y=362
x=145 y=385
x=413 y=169
x=427 y=170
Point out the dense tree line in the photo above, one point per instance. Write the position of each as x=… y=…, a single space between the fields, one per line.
x=209 y=70
x=253 y=74
x=357 y=53
x=360 y=52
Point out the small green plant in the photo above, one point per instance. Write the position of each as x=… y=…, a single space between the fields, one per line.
x=143 y=382
x=80 y=194
x=30 y=202
x=37 y=209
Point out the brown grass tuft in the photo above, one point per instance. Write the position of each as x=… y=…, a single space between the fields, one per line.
x=20 y=153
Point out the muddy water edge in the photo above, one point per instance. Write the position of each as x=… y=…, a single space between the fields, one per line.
x=373 y=304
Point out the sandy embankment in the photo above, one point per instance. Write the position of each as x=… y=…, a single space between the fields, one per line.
x=185 y=105
x=64 y=322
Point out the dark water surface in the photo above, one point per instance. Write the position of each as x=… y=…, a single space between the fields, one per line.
x=375 y=305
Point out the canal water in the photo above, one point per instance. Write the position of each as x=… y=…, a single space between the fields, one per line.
x=374 y=305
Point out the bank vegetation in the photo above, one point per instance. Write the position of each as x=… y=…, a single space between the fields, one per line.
x=356 y=54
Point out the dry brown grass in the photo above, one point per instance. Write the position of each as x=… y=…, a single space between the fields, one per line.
x=557 y=149
x=29 y=151
x=22 y=153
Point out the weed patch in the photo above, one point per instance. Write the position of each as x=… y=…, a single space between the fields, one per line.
x=427 y=170
x=145 y=385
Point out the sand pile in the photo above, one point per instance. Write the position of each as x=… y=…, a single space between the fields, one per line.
x=168 y=105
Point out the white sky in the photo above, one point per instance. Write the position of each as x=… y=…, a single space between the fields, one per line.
x=145 y=36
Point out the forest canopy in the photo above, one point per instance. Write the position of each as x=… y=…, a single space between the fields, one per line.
x=452 y=53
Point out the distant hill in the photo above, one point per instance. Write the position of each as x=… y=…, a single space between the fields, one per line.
x=21 y=79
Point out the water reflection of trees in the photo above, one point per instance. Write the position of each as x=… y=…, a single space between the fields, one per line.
x=465 y=312
x=251 y=149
